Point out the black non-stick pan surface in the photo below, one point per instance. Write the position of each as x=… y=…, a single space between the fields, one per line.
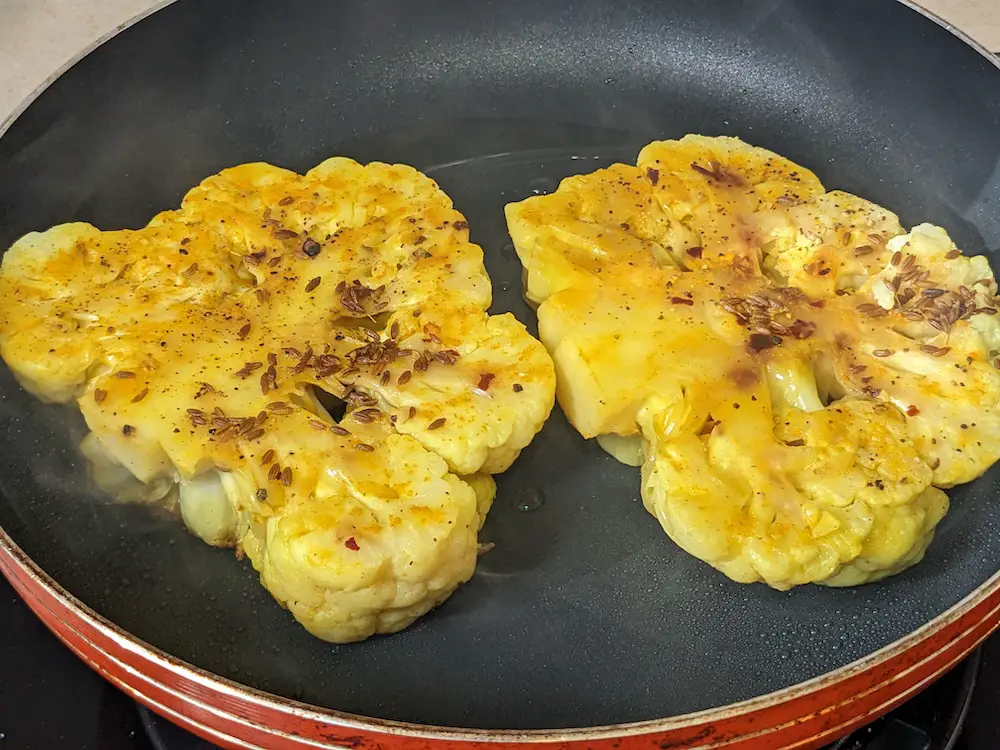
x=585 y=613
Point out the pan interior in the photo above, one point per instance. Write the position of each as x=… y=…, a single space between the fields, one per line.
x=584 y=613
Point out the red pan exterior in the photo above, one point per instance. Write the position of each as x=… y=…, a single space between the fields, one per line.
x=803 y=717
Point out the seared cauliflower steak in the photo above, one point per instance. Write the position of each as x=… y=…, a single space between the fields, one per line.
x=796 y=375
x=202 y=348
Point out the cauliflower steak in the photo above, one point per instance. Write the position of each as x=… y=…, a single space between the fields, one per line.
x=796 y=375
x=308 y=361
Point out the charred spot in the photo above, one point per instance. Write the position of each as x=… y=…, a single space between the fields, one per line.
x=745 y=377
x=761 y=341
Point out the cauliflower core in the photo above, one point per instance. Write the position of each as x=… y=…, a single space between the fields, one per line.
x=796 y=375
x=205 y=349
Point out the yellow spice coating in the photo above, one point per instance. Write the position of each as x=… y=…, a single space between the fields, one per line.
x=198 y=348
x=796 y=375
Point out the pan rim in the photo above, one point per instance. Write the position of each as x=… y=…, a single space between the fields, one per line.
x=219 y=685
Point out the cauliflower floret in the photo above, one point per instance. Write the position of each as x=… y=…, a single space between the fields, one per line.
x=830 y=242
x=928 y=280
x=606 y=219
x=202 y=348
x=706 y=182
x=794 y=418
x=834 y=496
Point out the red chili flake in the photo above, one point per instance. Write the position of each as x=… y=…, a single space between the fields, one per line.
x=351 y=544
x=802 y=329
x=128 y=430
x=484 y=381
x=681 y=301
x=517 y=387
x=439 y=422
x=912 y=410
x=99 y=395
x=652 y=175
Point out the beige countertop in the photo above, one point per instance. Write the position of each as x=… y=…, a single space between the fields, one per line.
x=37 y=37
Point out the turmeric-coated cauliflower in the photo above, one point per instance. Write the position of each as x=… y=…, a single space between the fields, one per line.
x=796 y=375
x=309 y=360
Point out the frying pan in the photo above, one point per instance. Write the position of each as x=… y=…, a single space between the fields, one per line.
x=585 y=626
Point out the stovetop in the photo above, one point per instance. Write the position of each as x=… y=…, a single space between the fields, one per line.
x=50 y=700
